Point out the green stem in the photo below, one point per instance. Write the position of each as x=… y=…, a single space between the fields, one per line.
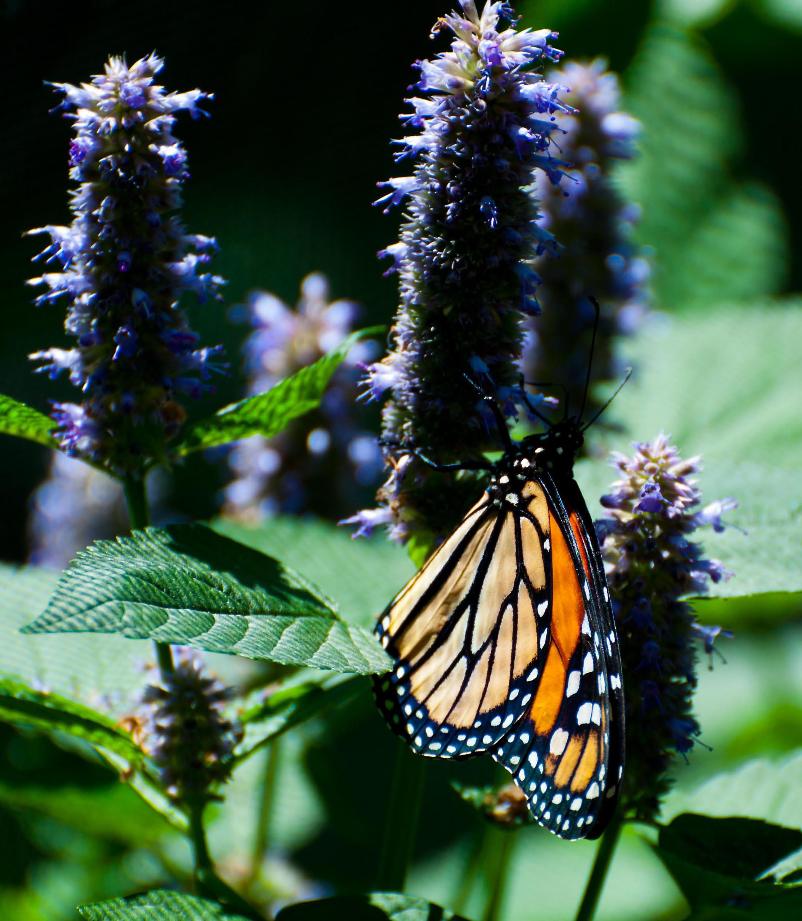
x=601 y=864
x=503 y=846
x=137 y=501
x=207 y=880
x=472 y=870
x=401 y=824
x=266 y=799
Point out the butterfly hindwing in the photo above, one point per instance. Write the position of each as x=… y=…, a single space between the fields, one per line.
x=566 y=755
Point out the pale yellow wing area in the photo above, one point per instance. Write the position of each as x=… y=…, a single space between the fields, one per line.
x=468 y=630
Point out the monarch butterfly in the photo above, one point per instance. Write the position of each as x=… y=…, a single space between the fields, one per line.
x=505 y=642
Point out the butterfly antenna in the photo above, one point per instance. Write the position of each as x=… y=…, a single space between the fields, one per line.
x=498 y=415
x=528 y=400
x=618 y=390
x=597 y=309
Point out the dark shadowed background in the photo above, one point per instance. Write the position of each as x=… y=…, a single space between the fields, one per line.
x=283 y=173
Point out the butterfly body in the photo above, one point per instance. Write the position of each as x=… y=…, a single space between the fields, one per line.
x=505 y=642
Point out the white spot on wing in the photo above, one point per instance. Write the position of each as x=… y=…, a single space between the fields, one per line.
x=558 y=742
x=587 y=665
x=583 y=714
x=593 y=791
x=572 y=686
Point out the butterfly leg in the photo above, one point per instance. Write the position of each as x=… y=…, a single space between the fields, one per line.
x=435 y=465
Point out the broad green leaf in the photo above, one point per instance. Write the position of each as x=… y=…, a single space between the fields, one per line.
x=270 y=412
x=724 y=384
x=23 y=421
x=102 y=672
x=378 y=906
x=739 y=251
x=760 y=544
x=711 y=237
x=149 y=790
x=717 y=864
x=159 y=905
x=744 y=422
x=787 y=13
x=766 y=789
x=191 y=586
x=696 y=13
x=111 y=812
x=21 y=705
x=290 y=706
x=362 y=576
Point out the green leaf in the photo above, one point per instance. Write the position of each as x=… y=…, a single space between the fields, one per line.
x=717 y=864
x=111 y=812
x=159 y=905
x=739 y=251
x=766 y=789
x=77 y=667
x=149 y=790
x=289 y=706
x=361 y=575
x=270 y=412
x=378 y=906
x=25 y=422
x=712 y=238
x=698 y=13
x=191 y=586
x=786 y=13
x=21 y=705
x=743 y=420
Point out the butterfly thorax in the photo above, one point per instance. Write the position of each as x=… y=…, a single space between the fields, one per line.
x=553 y=451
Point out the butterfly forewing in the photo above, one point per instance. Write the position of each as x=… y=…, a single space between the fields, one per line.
x=467 y=632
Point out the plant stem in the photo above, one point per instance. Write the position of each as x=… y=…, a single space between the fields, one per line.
x=472 y=870
x=137 y=501
x=601 y=864
x=401 y=824
x=208 y=882
x=266 y=798
x=502 y=846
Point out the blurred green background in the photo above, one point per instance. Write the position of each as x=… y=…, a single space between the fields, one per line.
x=283 y=175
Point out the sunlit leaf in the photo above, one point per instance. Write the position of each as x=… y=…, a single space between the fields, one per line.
x=362 y=576
x=160 y=905
x=191 y=586
x=23 y=706
x=98 y=671
x=23 y=421
x=270 y=412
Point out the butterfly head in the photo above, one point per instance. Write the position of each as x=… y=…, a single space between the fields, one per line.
x=557 y=447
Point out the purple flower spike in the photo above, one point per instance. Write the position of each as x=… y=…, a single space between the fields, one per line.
x=653 y=566
x=592 y=222
x=124 y=263
x=320 y=462
x=480 y=131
